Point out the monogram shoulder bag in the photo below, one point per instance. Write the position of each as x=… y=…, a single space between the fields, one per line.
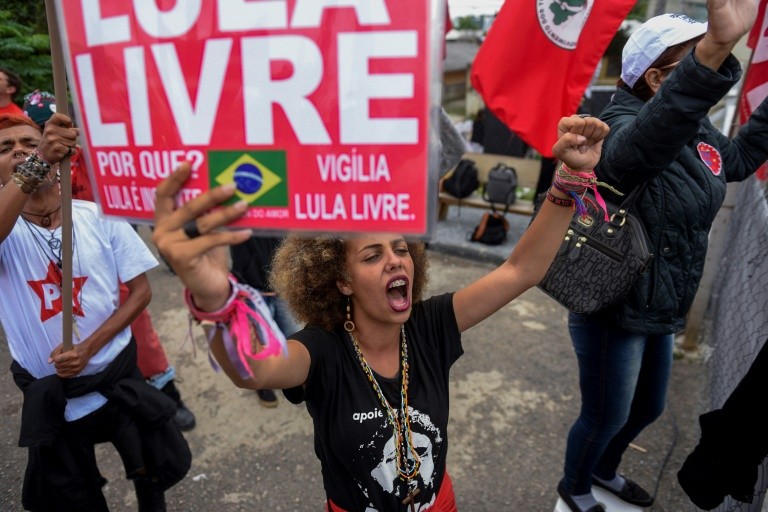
x=600 y=260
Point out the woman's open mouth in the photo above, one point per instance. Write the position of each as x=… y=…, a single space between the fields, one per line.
x=397 y=294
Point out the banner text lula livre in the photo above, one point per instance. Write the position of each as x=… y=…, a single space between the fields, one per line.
x=316 y=109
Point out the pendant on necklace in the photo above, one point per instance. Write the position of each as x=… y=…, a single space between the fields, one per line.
x=45 y=221
x=409 y=500
x=75 y=330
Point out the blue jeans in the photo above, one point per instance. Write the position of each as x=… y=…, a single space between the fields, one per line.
x=282 y=315
x=623 y=377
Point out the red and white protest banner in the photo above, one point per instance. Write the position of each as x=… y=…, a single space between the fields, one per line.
x=318 y=110
x=755 y=87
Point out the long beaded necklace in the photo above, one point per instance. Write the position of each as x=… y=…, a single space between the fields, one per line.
x=407 y=467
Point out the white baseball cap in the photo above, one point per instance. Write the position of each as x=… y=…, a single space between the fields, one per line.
x=649 y=41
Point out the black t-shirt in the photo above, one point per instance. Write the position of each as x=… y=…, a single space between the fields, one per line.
x=353 y=438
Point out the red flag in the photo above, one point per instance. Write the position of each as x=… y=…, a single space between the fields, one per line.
x=756 y=82
x=446 y=28
x=755 y=87
x=538 y=59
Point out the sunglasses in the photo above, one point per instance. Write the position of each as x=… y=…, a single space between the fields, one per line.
x=669 y=66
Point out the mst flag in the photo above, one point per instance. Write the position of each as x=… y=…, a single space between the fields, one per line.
x=538 y=59
x=755 y=87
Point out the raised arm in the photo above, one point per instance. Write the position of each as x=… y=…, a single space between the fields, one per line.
x=728 y=21
x=579 y=148
x=201 y=264
x=17 y=148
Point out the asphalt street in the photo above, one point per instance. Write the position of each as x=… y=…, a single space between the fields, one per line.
x=514 y=395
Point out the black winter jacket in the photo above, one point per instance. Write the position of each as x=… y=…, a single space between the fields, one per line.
x=660 y=141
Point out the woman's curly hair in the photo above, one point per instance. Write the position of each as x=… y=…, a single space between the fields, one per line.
x=304 y=274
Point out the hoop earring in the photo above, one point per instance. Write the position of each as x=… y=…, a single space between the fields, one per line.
x=349 y=325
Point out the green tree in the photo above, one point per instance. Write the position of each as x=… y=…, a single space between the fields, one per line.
x=613 y=52
x=468 y=23
x=639 y=11
x=24 y=44
x=30 y=13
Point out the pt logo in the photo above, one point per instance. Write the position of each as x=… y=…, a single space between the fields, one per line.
x=48 y=290
x=260 y=177
x=562 y=20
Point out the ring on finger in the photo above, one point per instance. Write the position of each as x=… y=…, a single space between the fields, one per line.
x=190 y=229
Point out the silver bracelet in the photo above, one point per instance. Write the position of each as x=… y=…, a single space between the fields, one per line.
x=30 y=173
x=33 y=168
x=25 y=183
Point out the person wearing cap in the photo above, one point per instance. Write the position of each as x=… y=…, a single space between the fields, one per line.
x=39 y=106
x=674 y=70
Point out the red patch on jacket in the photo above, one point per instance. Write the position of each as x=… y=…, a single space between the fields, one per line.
x=711 y=157
x=762 y=173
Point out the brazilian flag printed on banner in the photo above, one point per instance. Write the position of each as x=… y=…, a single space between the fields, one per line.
x=260 y=177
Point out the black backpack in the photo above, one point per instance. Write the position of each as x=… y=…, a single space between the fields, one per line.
x=502 y=185
x=491 y=230
x=463 y=181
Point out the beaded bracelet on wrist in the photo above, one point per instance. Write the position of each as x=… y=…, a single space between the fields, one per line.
x=559 y=201
x=25 y=183
x=243 y=318
x=30 y=173
x=576 y=184
x=34 y=167
x=220 y=315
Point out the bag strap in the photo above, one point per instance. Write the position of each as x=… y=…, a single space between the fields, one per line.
x=503 y=214
x=619 y=217
x=630 y=200
x=493 y=205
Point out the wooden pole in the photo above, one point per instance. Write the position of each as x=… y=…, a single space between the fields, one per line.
x=62 y=106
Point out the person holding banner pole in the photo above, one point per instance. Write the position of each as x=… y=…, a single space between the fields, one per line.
x=152 y=360
x=373 y=361
x=674 y=70
x=93 y=392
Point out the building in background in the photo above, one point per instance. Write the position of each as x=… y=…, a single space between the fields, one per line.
x=460 y=51
x=696 y=9
x=462 y=102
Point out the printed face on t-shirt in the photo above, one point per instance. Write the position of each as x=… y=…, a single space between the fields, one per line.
x=386 y=468
x=427 y=441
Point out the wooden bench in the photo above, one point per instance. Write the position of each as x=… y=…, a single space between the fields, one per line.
x=527 y=177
